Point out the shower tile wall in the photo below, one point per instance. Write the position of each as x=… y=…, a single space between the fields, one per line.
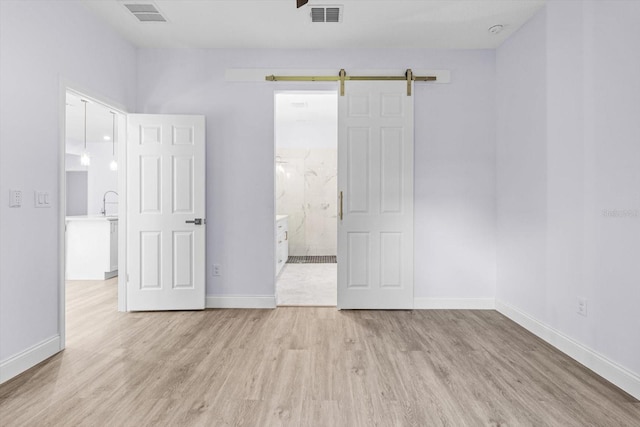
x=306 y=190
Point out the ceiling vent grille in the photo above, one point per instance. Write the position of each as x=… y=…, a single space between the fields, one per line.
x=145 y=12
x=326 y=14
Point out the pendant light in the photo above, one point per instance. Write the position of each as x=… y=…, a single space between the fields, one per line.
x=85 y=160
x=114 y=164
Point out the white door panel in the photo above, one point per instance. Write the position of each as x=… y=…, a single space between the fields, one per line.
x=166 y=189
x=375 y=176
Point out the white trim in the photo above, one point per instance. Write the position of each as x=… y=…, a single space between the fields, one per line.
x=28 y=358
x=453 y=303
x=621 y=377
x=122 y=212
x=240 y=301
x=62 y=210
x=259 y=74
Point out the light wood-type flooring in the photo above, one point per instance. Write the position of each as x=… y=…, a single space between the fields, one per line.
x=303 y=366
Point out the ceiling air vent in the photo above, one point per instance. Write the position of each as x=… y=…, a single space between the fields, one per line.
x=326 y=14
x=145 y=12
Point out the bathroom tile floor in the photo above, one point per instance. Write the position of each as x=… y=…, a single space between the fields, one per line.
x=308 y=284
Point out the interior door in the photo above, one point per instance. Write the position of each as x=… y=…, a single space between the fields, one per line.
x=375 y=185
x=165 y=212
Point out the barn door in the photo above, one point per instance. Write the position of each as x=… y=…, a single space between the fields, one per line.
x=375 y=188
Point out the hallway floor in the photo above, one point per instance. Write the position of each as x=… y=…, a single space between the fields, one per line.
x=308 y=285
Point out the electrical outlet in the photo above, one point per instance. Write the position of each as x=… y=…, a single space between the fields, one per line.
x=582 y=306
x=216 y=270
x=15 y=198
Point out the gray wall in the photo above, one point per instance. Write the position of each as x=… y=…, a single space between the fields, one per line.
x=454 y=158
x=43 y=44
x=568 y=162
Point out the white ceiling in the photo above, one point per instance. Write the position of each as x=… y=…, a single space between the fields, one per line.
x=457 y=24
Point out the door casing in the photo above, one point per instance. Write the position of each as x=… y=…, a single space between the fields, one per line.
x=64 y=87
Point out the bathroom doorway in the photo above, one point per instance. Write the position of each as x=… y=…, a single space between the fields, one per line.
x=93 y=132
x=306 y=166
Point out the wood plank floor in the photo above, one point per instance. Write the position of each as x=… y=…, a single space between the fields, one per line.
x=304 y=367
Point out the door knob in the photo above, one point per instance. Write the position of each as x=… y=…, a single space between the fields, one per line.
x=197 y=221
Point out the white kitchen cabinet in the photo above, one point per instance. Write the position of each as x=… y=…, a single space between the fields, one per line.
x=91 y=247
x=282 y=242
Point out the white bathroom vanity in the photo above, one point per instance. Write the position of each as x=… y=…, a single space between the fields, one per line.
x=282 y=241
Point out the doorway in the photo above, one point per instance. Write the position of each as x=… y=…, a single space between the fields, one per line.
x=306 y=163
x=93 y=137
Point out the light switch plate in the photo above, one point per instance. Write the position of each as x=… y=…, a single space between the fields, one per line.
x=42 y=199
x=15 y=198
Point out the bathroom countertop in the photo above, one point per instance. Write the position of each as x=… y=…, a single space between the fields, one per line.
x=281 y=217
x=91 y=218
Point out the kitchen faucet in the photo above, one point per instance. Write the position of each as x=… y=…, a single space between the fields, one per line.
x=104 y=202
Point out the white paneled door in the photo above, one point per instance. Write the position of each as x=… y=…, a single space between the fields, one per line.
x=165 y=212
x=375 y=184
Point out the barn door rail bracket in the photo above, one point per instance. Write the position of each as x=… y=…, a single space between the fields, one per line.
x=342 y=77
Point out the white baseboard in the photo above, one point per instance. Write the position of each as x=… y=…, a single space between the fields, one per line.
x=621 y=377
x=28 y=358
x=231 y=301
x=454 y=303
